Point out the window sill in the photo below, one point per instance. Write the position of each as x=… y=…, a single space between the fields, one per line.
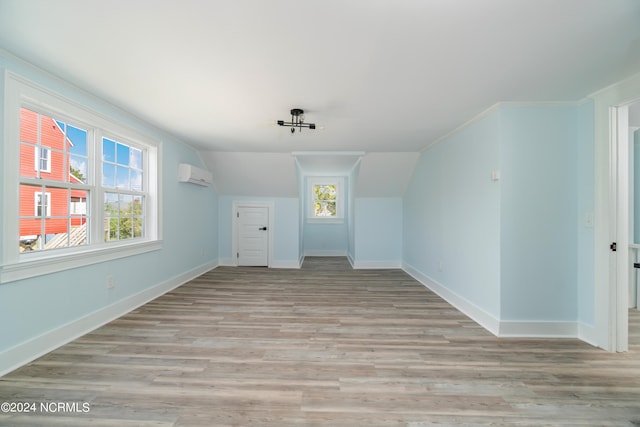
x=39 y=266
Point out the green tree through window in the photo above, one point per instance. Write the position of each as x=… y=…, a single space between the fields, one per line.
x=324 y=203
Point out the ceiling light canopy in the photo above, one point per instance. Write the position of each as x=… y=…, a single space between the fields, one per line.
x=297 y=121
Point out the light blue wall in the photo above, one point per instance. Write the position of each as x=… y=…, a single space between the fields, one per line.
x=285 y=228
x=32 y=307
x=329 y=239
x=585 y=152
x=326 y=239
x=539 y=213
x=451 y=215
x=519 y=248
x=378 y=233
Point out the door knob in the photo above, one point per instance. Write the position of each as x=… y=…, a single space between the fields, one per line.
x=262 y=228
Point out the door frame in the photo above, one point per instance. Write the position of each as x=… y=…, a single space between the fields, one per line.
x=607 y=318
x=237 y=204
x=619 y=290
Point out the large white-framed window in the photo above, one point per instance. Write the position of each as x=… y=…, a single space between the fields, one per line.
x=88 y=186
x=325 y=199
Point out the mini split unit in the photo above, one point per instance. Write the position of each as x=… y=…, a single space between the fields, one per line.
x=194 y=175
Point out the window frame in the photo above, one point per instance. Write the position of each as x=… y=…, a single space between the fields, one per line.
x=22 y=93
x=336 y=181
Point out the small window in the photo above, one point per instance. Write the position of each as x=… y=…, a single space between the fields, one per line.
x=325 y=199
x=43 y=159
x=42 y=204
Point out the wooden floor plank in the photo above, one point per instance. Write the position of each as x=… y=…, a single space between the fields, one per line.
x=321 y=346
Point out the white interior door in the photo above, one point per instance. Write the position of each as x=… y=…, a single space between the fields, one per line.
x=253 y=236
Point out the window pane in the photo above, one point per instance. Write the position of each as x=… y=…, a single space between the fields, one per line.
x=136 y=180
x=108 y=175
x=324 y=208
x=78 y=205
x=122 y=154
x=52 y=217
x=78 y=169
x=111 y=233
x=325 y=192
x=108 y=150
x=122 y=177
x=51 y=134
x=124 y=216
x=46 y=145
x=28 y=160
x=78 y=140
x=30 y=230
x=137 y=227
x=28 y=126
x=138 y=205
x=111 y=209
x=111 y=206
x=136 y=158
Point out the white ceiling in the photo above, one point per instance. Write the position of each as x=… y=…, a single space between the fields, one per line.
x=379 y=75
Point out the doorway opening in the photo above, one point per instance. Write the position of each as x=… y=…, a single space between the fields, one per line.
x=633 y=285
x=625 y=267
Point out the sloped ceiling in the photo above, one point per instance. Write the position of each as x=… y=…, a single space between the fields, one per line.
x=385 y=174
x=253 y=174
x=379 y=75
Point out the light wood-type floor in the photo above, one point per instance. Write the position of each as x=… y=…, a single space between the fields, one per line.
x=323 y=345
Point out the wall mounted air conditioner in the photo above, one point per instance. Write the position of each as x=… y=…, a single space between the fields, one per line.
x=194 y=175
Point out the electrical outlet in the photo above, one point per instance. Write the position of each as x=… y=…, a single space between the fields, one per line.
x=588 y=220
x=440 y=266
x=110 y=283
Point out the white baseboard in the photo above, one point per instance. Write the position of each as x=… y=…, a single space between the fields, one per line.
x=227 y=262
x=230 y=262
x=319 y=252
x=33 y=348
x=373 y=265
x=480 y=316
x=350 y=259
x=505 y=328
x=285 y=264
x=587 y=333
x=538 y=329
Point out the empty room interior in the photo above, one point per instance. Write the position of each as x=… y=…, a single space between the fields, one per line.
x=340 y=213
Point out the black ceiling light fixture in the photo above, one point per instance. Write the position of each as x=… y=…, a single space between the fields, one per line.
x=297 y=121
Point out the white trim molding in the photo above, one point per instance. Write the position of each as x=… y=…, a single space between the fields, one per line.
x=374 y=265
x=329 y=252
x=30 y=350
x=477 y=314
x=503 y=328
